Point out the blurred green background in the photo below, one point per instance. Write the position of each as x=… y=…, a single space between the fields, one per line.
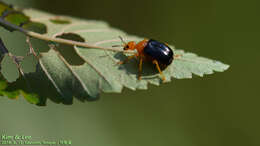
x=217 y=110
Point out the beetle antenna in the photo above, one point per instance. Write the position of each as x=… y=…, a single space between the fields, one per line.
x=117 y=46
x=121 y=38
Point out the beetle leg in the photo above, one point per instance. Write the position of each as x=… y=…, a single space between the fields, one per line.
x=158 y=68
x=140 y=68
x=127 y=59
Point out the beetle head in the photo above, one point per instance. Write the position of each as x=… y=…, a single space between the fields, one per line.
x=130 y=46
x=127 y=46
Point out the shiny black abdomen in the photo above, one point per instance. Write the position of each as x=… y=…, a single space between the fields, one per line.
x=159 y=51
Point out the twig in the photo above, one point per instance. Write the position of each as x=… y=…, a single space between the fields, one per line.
x=58 y=40
x=31 y=50
x=16 y=60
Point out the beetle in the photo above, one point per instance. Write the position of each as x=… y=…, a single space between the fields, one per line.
x=151 y=50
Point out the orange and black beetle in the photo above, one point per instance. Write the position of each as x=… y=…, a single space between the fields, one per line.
x=158 y=53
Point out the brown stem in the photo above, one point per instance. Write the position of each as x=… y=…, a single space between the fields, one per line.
x=57 y=40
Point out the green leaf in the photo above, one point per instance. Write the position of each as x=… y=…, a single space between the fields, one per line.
x=17 y=18
x=9 y=14
x=4 y=7
x=5 y=89
x=86 y=72
x=4 y=92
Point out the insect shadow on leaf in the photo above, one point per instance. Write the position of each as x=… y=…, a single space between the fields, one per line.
x=149 y=70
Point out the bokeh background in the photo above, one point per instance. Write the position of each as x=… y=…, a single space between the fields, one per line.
x=217 y=110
